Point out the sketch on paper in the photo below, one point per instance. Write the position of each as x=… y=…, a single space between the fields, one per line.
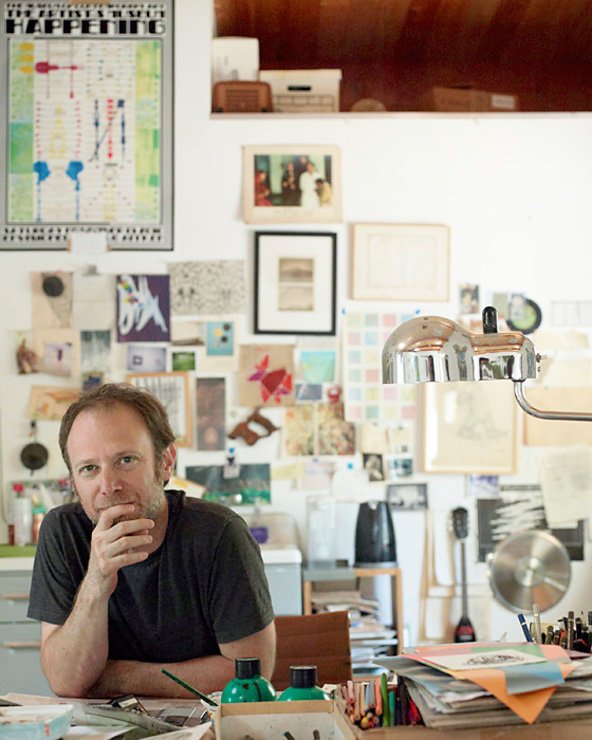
x=172 y=390
x=210 y=287
x=95 y=351
x=146 y=358
x=89 y=144
x=48 y=403
x=51 y=299
x=143 y=313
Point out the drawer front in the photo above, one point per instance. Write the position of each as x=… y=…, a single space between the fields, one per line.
x=20 y=665
x=14 y=596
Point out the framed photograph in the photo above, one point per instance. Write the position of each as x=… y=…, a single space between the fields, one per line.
x=291 y=184
x=172 y=390
x=86 y=161
x=295 y=282
x=400 y=262
x=469 y=428
x=408 y=496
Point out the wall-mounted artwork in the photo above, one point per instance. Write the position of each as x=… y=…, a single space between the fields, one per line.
x=291 y=184
x=469 y=428
x=146 y=358
x=48 y=403
x=266 y=375
x=210 y=401
x=172 y=389
x=87 y=97
x=251 y=484
x=143 y=313
x=51 y=299
x=295 y=282
x=400 y=262
x=211 y=287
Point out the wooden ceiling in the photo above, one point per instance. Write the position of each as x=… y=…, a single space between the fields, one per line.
x=395 y=50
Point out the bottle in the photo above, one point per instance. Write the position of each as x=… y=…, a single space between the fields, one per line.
x=248 y=683
x=303 y=680
x=22 y=512
x=320 y=526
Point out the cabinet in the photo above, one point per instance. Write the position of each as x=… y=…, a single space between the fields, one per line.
x=20 y=665
x=312 y=575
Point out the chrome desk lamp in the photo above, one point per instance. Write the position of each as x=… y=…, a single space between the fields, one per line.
x=434 y=349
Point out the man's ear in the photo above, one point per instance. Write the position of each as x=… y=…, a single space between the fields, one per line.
x=168 y=461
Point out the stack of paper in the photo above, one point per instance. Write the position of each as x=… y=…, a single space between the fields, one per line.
x=485 y=684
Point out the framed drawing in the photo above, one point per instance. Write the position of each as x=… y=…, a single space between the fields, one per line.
x=295 y=282
x=469 y=428
x=291 y=184
x=400 y=262
x=172 y=389
x=87 y=150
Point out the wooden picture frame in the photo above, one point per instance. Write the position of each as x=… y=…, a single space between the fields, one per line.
x=279 y=187
x=295 y=282
x=469 y=427
x=400 y=262
x=173 y=391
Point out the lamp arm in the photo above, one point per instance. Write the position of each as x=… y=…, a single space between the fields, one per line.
x=540 y=414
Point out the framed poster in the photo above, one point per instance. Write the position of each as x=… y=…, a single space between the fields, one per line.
x=469 y=428
x=291 y=184
x=295 y=282
x=400 y=262
x=87 y=151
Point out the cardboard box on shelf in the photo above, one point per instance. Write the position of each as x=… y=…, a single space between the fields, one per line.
x=273 y=719
x=467 y=99
x=303 y=90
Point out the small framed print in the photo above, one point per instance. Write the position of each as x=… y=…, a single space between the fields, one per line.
x=408 y=496
x=291 y=184
x=400 y=262
x=295 y=282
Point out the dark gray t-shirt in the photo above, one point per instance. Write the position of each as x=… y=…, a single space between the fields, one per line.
x=205 y=585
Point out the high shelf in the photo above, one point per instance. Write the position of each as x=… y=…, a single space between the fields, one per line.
x=313 y=575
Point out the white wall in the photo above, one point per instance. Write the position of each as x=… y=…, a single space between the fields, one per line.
x=514 y=190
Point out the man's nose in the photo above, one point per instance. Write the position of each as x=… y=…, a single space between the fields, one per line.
x=109 y=480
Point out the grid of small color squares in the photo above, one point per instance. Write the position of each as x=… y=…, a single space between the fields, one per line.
x=365 y=397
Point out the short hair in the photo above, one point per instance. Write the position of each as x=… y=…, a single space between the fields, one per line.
x=108 y=395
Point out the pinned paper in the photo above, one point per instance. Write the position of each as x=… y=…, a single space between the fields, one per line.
x=88 y=242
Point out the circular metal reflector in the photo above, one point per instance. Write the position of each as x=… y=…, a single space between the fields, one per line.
x=529 y=568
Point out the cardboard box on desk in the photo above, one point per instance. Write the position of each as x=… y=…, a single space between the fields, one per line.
x=272 y=719
x=467 y=99
x=303 y=90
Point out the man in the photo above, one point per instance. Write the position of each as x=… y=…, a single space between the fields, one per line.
x=130 y=578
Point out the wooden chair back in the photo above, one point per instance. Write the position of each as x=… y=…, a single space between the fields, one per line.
x=313 y=639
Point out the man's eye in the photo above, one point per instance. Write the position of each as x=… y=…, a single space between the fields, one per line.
x=128 y=459
x=86 y=469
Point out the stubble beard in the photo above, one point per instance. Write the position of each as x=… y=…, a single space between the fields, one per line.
x=152 y=504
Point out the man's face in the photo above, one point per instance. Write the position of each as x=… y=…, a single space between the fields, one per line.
x=113 y=462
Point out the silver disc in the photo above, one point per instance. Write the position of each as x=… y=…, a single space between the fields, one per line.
x=529 y=568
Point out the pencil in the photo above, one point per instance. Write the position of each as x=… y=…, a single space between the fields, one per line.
x=182 y=683
x=525 y=629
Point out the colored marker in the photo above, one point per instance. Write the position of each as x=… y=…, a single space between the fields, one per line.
x=527 y=635
x=193 y=690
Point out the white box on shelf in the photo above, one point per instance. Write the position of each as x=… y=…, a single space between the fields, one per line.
x=234 y=58
x=303 y=90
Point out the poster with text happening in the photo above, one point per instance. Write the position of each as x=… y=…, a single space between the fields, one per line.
x=365 y=397
x=86 y=124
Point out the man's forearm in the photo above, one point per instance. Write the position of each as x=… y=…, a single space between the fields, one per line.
x=210 y=673
x=73 y=656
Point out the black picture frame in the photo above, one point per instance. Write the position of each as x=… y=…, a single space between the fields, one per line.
x=295 y=282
